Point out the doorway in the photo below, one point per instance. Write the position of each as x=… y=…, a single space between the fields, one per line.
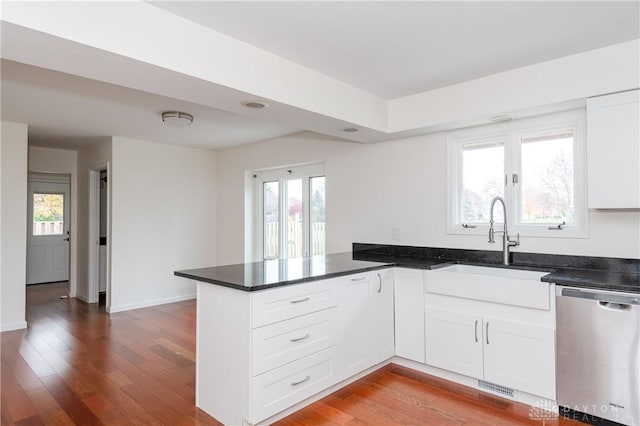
x=102 y=257
x=99 y=236
x=48 y=233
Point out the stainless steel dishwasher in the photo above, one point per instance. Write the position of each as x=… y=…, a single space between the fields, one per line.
x=598 y=354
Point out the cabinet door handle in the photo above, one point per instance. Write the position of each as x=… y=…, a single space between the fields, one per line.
x=301 y=381
x=487 y=333
x=297 y=339
x=476 y=331
x=300 y=300
x=379 y=283
x=358 y=279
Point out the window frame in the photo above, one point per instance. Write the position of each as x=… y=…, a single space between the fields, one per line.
x=282 y=175
x=512 y=132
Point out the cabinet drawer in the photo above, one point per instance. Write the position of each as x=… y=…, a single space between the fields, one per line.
x=283 y=342
x=283 y=387
x=270 y=306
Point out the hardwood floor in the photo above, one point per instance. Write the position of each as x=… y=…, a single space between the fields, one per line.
x=77 y=365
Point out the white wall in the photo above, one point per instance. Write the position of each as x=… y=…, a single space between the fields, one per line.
x=94 y=156
x=13 y=225
x=163 y=218
x=373 y=188
x=47 y=160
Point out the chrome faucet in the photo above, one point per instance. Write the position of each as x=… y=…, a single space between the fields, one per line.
x=506 y=241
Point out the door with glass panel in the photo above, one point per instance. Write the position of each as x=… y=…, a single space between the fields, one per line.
x=291 y=222
x=48 y=229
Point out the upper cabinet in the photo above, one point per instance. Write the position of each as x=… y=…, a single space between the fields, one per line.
x=613 y=151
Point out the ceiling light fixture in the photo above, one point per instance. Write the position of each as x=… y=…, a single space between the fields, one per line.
x=256 y=104
x=350 y=129
x=177 y=118
x=501 y=118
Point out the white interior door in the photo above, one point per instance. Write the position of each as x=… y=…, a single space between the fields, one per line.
x=48 y=229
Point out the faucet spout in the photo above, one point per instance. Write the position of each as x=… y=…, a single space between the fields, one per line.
x=506 y=241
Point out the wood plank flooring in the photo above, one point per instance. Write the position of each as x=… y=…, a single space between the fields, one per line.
x=76 y=365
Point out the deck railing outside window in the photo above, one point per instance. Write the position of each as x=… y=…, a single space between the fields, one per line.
x=295 y=233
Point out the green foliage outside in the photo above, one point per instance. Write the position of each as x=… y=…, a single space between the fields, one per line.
x=48 y=207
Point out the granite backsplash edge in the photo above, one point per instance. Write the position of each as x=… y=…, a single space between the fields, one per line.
x=538 y=260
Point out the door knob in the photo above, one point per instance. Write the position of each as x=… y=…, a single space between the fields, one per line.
x=66 y=239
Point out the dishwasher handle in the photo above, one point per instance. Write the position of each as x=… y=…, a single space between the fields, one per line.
x=611 y=306
x=608 y=298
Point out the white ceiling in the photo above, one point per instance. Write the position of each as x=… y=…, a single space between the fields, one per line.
x=397 y=48
x=62 y=110
x=389 y=49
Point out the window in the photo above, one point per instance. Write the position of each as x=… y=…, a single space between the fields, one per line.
x=537 y=165
x=290 y=212
x=482 y=178
x=48 y=214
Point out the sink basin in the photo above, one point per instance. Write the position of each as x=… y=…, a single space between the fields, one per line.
x=516 y=287
x=515 y=274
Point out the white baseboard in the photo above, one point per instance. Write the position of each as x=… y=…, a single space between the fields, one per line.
x=128 y=307
x=81 y=297
x=14 y=326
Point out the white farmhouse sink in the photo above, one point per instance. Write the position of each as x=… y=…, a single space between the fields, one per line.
x=514 y=274
x=505 y=286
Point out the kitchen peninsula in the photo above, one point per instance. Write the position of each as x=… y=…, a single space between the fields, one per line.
x=274 y=336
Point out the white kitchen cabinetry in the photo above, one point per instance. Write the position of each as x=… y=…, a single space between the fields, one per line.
x=283 y=387
x=383 y=307
x=259 y=353
x=366 y=321
x=286 y=341
x=356 y=328
x=455 y=341
x=496 y=336
x=262 y=352
x=409 y=313
x=520 y=356
x=613 y=151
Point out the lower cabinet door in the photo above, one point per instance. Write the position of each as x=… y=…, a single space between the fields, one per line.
x=284 y=387
x=454 y=341
x=383 y=315
x=409 y=313
x=520 y=356
x=356 y=324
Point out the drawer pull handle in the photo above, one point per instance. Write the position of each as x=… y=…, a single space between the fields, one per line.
x=297 y=339
x=301 y=381
x=487 y=333
x=300 y=300
x=358 y=279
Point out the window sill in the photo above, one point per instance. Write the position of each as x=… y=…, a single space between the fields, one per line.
x=525 y=232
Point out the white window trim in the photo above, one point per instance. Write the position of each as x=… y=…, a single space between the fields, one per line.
x=575 y=119
x=304 y=172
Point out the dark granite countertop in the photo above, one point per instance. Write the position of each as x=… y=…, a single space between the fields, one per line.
x=600 y=273
x=275 y=273
x=575 y=271
x=595 y=279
